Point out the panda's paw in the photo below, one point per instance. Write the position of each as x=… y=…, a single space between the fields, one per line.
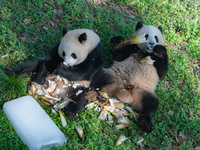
x=115 y=43
x=37 y=79
x=116 y=40
x=144 y=124
x=159 y=51
x=72 y=116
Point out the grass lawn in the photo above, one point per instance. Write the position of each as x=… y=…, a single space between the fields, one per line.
x=29 y=29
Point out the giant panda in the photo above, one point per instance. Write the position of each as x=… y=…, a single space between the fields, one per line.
x=131 y=81
x=76 y=57
x=153 y=36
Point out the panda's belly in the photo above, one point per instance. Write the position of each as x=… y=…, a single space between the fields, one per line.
x=146 y=79
x=132 y=72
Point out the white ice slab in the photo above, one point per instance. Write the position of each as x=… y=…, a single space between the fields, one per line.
x=32 y=124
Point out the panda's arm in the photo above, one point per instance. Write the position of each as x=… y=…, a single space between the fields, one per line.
x=40 y=73
x=53 y=59
x=161 y=60
x=47 y=66
x=120 y=53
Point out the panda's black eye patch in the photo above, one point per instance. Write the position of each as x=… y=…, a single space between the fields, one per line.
x=74 y=55
x=156 y=39
x=63 y=53
x=146 y=36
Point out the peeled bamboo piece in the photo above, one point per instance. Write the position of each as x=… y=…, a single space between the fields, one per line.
x=79 y=129
x=121 y=139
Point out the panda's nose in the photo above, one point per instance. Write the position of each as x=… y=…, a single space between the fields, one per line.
x=152 y=44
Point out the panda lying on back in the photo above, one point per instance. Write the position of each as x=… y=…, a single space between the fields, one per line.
x=130 y=80
x=153 y=36
x=76 y=57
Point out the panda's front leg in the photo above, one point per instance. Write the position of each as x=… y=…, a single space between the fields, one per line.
x=73 y=108
x=119 y=51
x=40 y=74
x=161 y=60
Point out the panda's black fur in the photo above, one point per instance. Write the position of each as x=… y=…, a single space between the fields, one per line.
x=53 y=63
x=119 y=54
x=133 y=82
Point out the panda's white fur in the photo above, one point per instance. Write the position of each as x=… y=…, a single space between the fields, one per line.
x=153 y=35
x=70 y=44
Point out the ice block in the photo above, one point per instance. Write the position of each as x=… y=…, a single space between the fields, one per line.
x=32 y=124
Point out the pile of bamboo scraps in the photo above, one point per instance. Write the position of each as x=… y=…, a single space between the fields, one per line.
x=111 y=109
x=55 y=92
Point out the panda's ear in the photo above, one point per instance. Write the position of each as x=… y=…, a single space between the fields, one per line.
x=139 y=25
x=64 y=31
x=82 y=38
x=160 y=28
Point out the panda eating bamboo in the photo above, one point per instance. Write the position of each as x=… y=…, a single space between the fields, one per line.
x=131 y=81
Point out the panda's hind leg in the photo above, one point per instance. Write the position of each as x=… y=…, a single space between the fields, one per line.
x=26 y=67
x=101 y=79
x=149 y=104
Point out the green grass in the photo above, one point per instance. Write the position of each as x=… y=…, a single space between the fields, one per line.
x=29 y=29
x=12 y=86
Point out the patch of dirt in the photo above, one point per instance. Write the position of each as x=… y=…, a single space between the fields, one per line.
x=196 y=66
x=130 y=11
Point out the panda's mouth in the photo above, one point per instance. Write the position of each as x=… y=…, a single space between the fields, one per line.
x=150 y=49
x=66 y=65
